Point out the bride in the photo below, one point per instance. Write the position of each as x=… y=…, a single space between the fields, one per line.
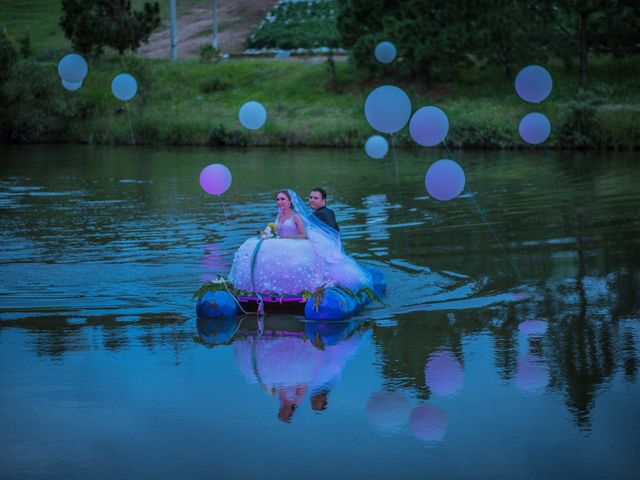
x=306 y=254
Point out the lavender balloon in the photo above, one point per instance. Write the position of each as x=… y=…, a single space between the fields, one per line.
x=385 y=52
x=124 y=87
x=252 y=115
x=534 y=128
x=72 y=87
x=387 y=109
x=533 y=83
x=443 y=373
x=444 y=180
x=428 y=423
x=531 y=373
x=376 y=146
x=533 y=327
x=388 y=411
x=73 y=68
x=429 y=126
x=215 y=179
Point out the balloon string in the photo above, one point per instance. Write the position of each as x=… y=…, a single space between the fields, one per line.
x=224 y=209
x=553 y=180
x=133 y=140
x=395 y=164
x=482 y=214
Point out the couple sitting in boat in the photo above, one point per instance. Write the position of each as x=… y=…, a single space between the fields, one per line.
x=305 y=254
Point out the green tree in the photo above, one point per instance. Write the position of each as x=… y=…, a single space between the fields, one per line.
x=91 y=25
x=8 y=55
x=595 y=26
x=432 y=37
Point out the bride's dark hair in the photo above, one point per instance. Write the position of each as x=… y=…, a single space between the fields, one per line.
x=288 y=195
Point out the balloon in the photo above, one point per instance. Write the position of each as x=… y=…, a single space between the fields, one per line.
x=533 y=83
x=385 y=52
x=533 y=327
x=73 y=68
x=71 y=86
x=215 y=179
x=429 y=126
x=534 y=128
x=387 y=109
x=124 y=87
x=443 y=373
x=444 y=180
x=388 y=411
x=252 y=115
x=428 y=423
x=376 y=146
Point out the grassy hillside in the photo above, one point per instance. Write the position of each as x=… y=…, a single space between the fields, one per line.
x=190 y=102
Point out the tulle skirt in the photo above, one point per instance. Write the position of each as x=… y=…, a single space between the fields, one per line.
x=289 y=266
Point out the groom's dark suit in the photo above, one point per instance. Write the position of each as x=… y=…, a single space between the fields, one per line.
x=327 y=216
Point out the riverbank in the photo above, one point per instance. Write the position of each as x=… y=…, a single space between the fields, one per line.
x=315 y=102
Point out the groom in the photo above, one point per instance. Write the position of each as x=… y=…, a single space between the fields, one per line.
x=318 y=202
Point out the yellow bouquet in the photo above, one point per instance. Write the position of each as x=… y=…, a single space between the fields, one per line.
x=270 y=231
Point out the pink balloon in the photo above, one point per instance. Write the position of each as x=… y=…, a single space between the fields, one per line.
x=428 y=423
x=443 y=373
x=215 y=179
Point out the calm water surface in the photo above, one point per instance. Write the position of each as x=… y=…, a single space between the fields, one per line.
x=507 y=346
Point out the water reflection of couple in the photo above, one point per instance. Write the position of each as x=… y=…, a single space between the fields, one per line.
x=291 y=366
x=306 y=254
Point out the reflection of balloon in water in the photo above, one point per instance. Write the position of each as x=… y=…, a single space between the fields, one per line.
x=73 y=68
x=385 y=52
x=531 y=374
x=533 y=327
x=533 y=83
x=429 y=126
x=72 y=87
x=534 y=128
x=428 y=423
x=124 y=87
x=387 y=109
x=443 y=373
x=215 y=331
x=252 y=115
x=215 y=179
x=444 y=180
x=388 y=410
x=376 y=146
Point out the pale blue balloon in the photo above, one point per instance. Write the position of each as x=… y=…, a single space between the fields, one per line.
x=385 y=52
x=72 y=87
x=445 y=180
x=124 y=87
x=429 y=126
x=387 y=109
x=252 y=115
x=533 y=83
x=534 y=128
x=73 y=68
x=376 y=146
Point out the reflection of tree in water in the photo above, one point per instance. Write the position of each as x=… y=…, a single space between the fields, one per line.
x=56 y=336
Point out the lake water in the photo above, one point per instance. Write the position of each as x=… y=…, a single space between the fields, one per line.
x=507 y=345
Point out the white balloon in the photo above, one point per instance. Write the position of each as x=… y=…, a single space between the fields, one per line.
x=124 y=87
x=252 y=115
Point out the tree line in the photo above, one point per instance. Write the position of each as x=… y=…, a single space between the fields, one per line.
x=434 y=38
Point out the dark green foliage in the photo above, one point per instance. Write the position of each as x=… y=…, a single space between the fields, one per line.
x=305 y=24
x=92 y=25
x=579 y=126
x=25 y=46
x=35 y=107
x=8 y=56
x=215 y=84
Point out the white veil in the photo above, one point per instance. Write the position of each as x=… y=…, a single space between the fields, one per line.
x=327 y=244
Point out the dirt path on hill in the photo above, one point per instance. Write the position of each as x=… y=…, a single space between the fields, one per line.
x=236 y=19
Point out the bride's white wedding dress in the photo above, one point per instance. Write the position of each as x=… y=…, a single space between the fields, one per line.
x=289 y=266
